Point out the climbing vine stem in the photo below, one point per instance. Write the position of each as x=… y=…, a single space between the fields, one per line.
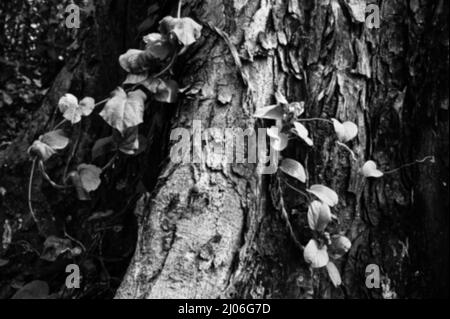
x=430 y=158
x=30 y=190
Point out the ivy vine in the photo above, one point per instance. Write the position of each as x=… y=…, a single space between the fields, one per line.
x=324 y=248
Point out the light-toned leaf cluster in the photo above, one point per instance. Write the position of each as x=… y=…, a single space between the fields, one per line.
x=48 y=144
x=124 y=110
x=73 y=110
x=321 y=199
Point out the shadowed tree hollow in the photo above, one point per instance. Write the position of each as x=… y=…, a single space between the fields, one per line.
x=203 y=230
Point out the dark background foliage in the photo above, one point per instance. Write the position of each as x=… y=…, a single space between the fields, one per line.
x=33 y=47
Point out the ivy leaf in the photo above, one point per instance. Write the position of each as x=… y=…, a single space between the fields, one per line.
x=271 y=112
x=334 y=274
x=122 y=111
x=370 y=169
x=303 y=133
x=72 y=110
x=278 y=140
x=296 y=108
x=89 y=177
x=345 y=131
x=54 y=247
x=86 y=106
x=325 y=194
x=340 y=245
x=103 y=146
x=55 y=139
x=319 y=216
x=158 y=45
x=47 y=144
x=68 y=101
x=131 y=62
x=163 y=91
x=317 y=257
x=186 y=30
x=294 y=169
x=130 y=143
x=34 y=290
x=42 y=150
x=82 y=194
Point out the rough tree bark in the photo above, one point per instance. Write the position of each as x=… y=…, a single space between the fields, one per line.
x=208 y=231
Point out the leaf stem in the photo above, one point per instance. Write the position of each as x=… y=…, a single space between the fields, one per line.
x=64 y=120
x=315 y=119
x=110 y=163
x=101 y=102
x=167 y=68
x=72 y=154
x=348 y=149
x=285 y=216
x=47 y=177
x=180 y=3
x=430 y=158
x=296 y=189
x=30 y=190
x=74 y=240
x=60 y=124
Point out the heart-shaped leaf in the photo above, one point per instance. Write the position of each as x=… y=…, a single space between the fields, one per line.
x=34 y=290
x=340 y=245
x=325 y=194
x=68 y=101
x=303 y=133
x=334 y=274
x=86 y=106
x=82 y=194
x=158 y=45
x=122 y=111
x=345 y=131
x=272 y=112
x=130 y=61
x=130 y=143
x=296 y=108
x=294 y=169
x=278 y=140
x=41 y=150
x=370 y=169
x=103 y=146
x=319 y=216
x=315 y=255
x=163 y=91
x=55 y=139
x=72 y=110
x=89 y=176
x=186 y=30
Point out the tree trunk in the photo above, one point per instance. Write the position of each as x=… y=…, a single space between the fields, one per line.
x=212 y=231
x=208 y=230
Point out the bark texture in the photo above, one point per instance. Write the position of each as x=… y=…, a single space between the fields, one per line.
x=209 y=231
